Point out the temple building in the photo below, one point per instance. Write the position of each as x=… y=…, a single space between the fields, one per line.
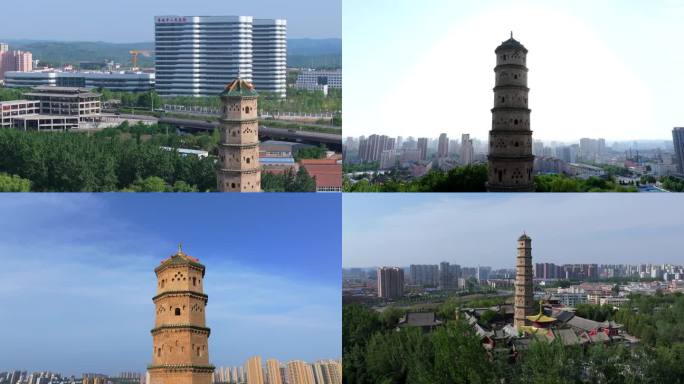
x=238 y=167
x=510 y=140
x=180 y=336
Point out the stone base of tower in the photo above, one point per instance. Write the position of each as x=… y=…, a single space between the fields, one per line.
x=181 y=375
x=511 y=175
x=239 y=181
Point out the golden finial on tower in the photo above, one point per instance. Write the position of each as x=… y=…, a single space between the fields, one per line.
x=180 y=247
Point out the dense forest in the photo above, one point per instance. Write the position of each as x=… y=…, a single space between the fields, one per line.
x=472 y=178
x=123 y=158
x=375 y=352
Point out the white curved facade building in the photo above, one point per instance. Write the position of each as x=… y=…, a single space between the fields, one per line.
x=199 y=55
x=269 y=58
x=115 y=81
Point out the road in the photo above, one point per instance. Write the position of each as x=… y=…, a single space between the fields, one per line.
x=332 y=141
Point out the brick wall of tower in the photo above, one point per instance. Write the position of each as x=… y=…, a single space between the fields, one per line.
x=180 y=339
x=510 y=139
x=239 y=167
x=523 y=283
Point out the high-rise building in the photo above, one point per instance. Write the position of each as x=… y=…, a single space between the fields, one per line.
x=678 y=140
x=269 y=62
x=255 y=374
x=510 y=140
x=467 y=153
x=390 y=282
x=299 y=372
x=199 y=55
x=371 y=148
x=443 y=146
x=523 y=282
x=425 y=275
x=180 y=335
x=422 y=147
x=274 y=376
x=239 y=169
x=14 y=60
x=448 y=275
x=327 y=372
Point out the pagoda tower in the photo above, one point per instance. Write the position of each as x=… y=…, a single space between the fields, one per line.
x=510 y=140
x=238 y=168
x=180 y=336
x=523 y=282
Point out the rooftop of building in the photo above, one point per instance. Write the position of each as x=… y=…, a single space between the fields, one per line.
x=328 y=172
x=46 y=90
x=239 y=88
x=419 y=319
x=180 y=258
x=511 y=44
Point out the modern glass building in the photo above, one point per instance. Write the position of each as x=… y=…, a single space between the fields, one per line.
x=199 y=55
x=269 y=47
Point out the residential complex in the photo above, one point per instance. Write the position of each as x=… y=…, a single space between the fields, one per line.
x=390 y=282
x=14 y=60
x=199 y=55
x=275 y=372
x=115 y=81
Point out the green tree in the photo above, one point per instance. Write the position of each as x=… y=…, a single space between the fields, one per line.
x=14 y=183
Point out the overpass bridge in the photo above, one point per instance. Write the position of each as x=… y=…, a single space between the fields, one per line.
x=332 y=141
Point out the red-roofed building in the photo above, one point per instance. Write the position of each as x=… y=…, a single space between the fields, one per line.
x=327 y=172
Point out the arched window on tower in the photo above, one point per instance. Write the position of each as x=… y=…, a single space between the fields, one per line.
x=177 y=312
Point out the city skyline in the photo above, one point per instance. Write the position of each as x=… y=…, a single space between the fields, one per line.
x=83 y=265
x=307 y=19
x=619 y=93
x=479 y=229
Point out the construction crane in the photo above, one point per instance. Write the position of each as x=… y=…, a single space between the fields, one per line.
x=134 y=57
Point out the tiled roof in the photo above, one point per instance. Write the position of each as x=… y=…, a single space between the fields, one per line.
x=420 y=319
x=328 y=172
x=239 y=88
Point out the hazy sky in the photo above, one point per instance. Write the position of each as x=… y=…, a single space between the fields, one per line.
x=608 y=68
x=78 y=276
x=482 y=229
x=133 y=20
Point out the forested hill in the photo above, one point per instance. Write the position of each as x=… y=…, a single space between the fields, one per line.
x=313 y=53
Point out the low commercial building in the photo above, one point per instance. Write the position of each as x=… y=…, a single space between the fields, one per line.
x=114 y=81
x=584 y=171
x=10 y=110
x=327 y=172
x=314 y=79
x=51 y=108
x=67 y=101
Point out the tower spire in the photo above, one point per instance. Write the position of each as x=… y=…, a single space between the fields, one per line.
x=180 y=247
x=511 y=34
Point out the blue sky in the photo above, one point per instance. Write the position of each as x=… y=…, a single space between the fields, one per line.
x=481 y=229
x=605 y=68
x=78 y=279
x=132 y=20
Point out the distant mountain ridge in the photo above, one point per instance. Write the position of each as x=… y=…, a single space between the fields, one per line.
x=315 y=53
